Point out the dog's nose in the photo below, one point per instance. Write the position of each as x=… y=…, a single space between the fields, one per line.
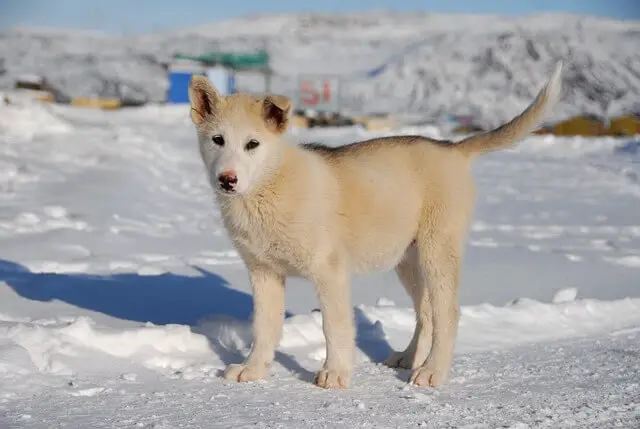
x=228 y=180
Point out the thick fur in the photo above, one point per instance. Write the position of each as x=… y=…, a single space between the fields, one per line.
x=326 y=213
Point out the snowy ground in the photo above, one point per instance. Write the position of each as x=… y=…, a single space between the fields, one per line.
x=121 y=297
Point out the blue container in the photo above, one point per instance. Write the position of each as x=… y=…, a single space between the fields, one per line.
x=180 y=74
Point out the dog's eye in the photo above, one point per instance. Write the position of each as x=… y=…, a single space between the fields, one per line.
x=219 y=140
x=252 y=145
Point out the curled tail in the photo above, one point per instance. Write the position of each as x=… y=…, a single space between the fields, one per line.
x=519 y=126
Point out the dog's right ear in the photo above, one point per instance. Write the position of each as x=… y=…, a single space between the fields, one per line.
x=203 y=98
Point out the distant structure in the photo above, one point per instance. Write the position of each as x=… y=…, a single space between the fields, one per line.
x=220 y=67
x=34 y=87
x=180 y=72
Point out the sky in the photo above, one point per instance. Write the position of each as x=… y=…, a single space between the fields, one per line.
x=143 y=16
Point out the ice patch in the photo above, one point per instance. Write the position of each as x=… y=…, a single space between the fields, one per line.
x=154 y=257
x=87 y=392
x=385 y=302
x=57 y=267
x=32 y=223
x=565 y=295
x=56 y=212
x=632 y=261
x=148 y=270
x=129 y=377
x=122 y=265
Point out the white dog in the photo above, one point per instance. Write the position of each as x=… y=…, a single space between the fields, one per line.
x=326 y=213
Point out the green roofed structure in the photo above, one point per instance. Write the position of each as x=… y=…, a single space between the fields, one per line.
x=238 y=61
x=184 y=66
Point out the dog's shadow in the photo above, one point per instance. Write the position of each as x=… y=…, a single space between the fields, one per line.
x=166 y=299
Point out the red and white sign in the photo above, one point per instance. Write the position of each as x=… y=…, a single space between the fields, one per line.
x=319 y=93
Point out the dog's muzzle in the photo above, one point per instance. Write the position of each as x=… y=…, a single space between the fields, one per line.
x=228 y=181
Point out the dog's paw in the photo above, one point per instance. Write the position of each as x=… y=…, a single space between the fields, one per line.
x=241 y=372
x=402 y=359
x=333 y=379
x=428 y=375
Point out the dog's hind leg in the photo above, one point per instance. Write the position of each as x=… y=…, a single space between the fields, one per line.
x=410 y=275
x=440 y=253
x=268 y=317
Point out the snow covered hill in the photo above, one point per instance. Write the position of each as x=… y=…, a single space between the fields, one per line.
x=417 y=63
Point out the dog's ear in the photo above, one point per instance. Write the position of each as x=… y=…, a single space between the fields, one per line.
x=276 y=110
x=203 y=98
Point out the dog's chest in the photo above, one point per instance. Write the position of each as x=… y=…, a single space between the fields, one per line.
x=264 y=240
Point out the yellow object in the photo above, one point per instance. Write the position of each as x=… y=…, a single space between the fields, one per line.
x=627 y=125
x=299 y=121
x=97 y=103
x=379 y=124
x=374 y=123
x=578 y=126
x=467 y=129
x=45 y=97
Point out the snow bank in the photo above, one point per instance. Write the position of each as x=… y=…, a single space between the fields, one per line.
x=51 y=343
x=28 y=119
x=577 y=147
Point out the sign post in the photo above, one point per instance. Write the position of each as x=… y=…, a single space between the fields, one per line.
x=320 y=93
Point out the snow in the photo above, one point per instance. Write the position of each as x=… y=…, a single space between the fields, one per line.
x=406 y=63
x=567 y=294
x=122 y=298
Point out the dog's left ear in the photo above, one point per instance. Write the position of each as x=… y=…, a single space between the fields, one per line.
x=203 y=97
x=276 y=110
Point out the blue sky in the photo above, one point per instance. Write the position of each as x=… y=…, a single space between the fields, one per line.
x=140 y=16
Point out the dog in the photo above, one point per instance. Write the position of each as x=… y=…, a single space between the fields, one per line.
x=327 y=213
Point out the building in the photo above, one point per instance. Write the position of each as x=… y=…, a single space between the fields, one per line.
x=180 y=72
x=220 y=68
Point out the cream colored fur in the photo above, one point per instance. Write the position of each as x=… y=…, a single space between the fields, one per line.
x=325 y=214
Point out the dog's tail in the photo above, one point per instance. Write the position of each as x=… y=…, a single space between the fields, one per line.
x=519 y=126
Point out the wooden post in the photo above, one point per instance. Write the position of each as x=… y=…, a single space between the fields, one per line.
x=267 y=80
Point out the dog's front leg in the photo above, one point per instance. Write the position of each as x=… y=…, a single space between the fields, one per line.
x=339 y=331
x=268 y=316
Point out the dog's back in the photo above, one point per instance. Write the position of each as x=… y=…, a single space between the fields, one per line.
x=385 y=187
